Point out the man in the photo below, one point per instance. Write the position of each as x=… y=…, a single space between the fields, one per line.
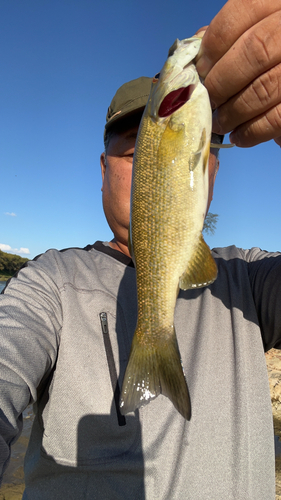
x=68 y=318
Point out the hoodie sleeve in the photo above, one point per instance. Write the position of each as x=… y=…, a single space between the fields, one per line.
x=30 y=322
x=265 y=276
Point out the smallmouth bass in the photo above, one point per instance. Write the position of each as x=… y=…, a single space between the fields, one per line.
x=169 y=198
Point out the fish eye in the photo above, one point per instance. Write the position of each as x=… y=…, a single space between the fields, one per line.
x=156 y=78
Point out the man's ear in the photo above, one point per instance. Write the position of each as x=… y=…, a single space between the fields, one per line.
x=103 y=167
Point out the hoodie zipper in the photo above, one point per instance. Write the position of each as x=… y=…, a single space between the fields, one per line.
x=111 y=366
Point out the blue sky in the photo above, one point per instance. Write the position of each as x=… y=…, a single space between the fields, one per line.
x=61 y=62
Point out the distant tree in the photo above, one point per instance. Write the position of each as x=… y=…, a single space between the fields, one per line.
x=210 y=223
x=2 y=260
x=10 y=263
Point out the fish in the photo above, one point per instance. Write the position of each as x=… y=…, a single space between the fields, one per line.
x=169 y=197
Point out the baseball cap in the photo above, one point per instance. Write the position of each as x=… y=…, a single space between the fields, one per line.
x=130 y=98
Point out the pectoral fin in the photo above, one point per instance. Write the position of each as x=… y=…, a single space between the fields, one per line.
x=201 y=270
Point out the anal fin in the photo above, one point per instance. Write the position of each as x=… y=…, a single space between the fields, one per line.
x=201 y=270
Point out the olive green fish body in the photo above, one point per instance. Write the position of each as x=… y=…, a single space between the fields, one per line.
x=168 y=206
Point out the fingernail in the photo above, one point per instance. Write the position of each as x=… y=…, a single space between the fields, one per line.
x=213 y=106
x=233 y=138
x=203 y=65
x=200 y=34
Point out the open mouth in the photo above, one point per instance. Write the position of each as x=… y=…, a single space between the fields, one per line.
x=174 y=100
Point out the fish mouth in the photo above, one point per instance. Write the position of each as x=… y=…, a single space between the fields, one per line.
x=175 y=100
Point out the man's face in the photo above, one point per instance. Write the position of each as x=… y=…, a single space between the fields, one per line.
x=116 y=170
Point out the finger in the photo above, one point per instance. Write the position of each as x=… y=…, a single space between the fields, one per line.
x=254 y=53
x=234 y=19
x=201 y=32
x=257 y=98
x=204 y=28
x=261 y=129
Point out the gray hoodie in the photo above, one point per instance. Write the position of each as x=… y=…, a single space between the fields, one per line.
x=67 y=321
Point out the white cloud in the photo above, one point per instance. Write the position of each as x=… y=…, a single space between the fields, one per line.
x=7 y=248
x=23 y=250
x=12 y=214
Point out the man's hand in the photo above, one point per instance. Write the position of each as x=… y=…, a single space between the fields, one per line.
x=240 y=59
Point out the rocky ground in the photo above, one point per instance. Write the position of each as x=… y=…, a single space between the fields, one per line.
x=13 y=485
x=273 y=360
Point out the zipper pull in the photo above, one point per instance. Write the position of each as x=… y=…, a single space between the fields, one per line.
x=104 y=324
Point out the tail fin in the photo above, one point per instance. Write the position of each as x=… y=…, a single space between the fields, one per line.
x=153 y=370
